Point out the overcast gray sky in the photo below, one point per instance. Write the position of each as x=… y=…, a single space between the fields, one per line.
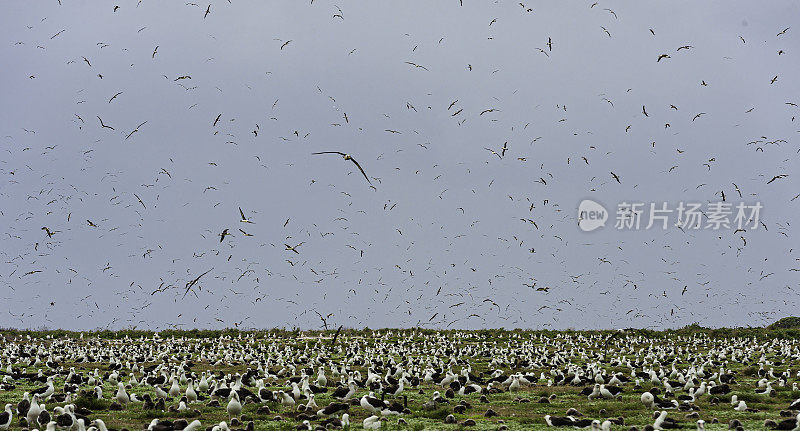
x=444 y=238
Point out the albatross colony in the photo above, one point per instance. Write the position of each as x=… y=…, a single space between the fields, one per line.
x=399 y=379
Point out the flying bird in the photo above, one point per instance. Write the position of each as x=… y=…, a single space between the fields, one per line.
x=244 y=219
x=737 y=189
x=294 y=249
x=777 y=177
x=493 y=152
x=103 y=124
x=189 y=284
x=347 y=157
x=417 y=65
x=135 y=130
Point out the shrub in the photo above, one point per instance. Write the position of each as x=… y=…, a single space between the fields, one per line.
x=786 y=323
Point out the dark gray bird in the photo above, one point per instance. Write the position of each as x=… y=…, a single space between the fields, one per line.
x=347 y=157
x=103 y=124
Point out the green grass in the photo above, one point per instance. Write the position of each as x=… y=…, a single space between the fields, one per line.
x=514 y=414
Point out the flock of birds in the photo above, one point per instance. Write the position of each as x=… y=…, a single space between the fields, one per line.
x=455 y=210
x=165 y=183
x=71 y=384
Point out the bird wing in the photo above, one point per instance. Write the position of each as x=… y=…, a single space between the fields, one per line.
x=330 y=152
x=360 y=169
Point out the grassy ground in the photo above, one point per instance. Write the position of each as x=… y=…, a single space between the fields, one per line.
x=512 y=413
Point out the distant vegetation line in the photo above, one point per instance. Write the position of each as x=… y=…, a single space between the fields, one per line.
x=788 y=327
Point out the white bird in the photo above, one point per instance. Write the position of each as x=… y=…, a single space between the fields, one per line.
x=100 y=425
x=345 y=420
x=203 y=385
x=234 y=406
x=312 y=403
x=153 y=424
x=514 y=386
x=321 y=379
x=194 y=426
x=295 y=391
x=33 y=411
x=174 y=390
x=50 y=389
x=160 y=392
x=605 y=393
x=660 y=420
x=701 y=390
x=372 y=423
x=396 y=393
x=344 y=394
x=191 y=395
x=767 y=390
x=741 y=407
x=595 y=392
x=286 y=399
x=122 y=396
x=372 y=404
x=5 y=418
x=701 y=425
